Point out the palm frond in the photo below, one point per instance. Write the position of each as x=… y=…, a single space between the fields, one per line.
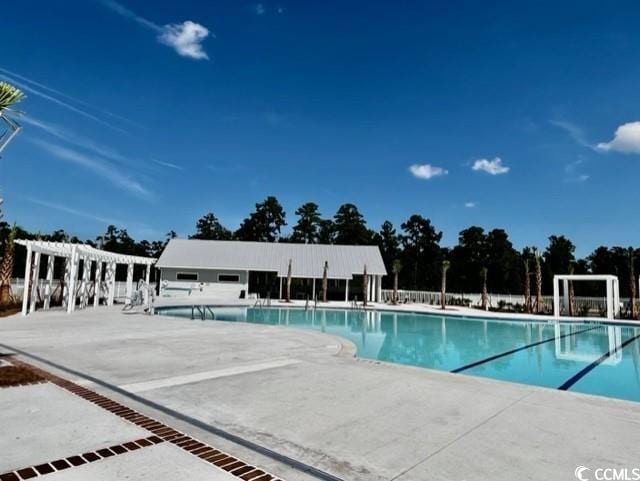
x=9 y=95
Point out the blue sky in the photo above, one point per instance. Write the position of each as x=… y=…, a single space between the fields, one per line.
x=500 y=114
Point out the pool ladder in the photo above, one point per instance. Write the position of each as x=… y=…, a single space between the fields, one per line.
x=202 y=312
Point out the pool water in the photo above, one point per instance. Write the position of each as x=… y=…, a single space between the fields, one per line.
x=602 y=359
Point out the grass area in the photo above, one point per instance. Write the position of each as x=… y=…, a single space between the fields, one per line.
x=16 y=375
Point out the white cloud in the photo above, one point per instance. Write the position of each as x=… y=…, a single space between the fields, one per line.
x=167 y=164
x=260 y=9
x=469 y=205
x=625 y=140
x=185 y=38
x=493 y=167
x=96 y=164
x=426 y=171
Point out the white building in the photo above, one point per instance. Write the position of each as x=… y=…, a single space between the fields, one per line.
x=234 y=269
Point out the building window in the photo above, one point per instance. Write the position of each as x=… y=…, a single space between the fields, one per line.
x=228 y=278
x=187 y=276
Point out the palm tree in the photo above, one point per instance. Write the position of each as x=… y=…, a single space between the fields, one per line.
x=9 y=96
x=527 y=287
x=632 y=286
x=365 y=286
x=396 y=268
x=443 y=286
x=539 y=302
x=485 y=295
x=325 y=281
x=6 y=268
x=288 y=298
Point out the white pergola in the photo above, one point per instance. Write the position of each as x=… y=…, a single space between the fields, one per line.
x=613 y=291
x=73 y=253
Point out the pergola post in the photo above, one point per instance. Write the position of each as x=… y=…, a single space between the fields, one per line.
x=51 y=259
x=67 y=279
x=129 y=290
x=556 y=297
x=73 y=279
x=97 y=284
x=34 y=281
x=565 y=295
x=609 y=299
x=27 y=278
x=280 y=295
x=616 y=297
x=111 y=282
x=346 y=292
x=313 y=289
x=86 y=280
x=147 y=276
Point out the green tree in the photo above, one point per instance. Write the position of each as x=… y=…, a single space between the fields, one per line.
x=307 y=229
x=209 y=227
x=468 y=258
x=388 y=241
x=558 y=256
x=265 y=224
x=350 y=228
x=326 y=232
x=421 y=252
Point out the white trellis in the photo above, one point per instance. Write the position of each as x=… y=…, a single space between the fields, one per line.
x=74 y=253
x=612 y=290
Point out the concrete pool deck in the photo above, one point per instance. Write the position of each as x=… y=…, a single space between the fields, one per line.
x=301 y=394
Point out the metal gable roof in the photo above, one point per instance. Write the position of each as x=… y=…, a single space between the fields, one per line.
x=307 y=260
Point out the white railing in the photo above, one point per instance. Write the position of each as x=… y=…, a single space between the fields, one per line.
x=495 y=300
x=17 y=288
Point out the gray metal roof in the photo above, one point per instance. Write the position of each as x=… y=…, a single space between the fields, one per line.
x=307 y=260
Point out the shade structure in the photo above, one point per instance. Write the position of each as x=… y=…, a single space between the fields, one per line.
x=76 y=287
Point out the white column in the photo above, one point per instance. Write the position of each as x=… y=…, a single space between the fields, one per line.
x=280 y=296
x=313 y=290
x=565 y=296
x=129 y=291
x=27 y=278
x=379 y=291
x=609 y=299
x=73 y=279
x=370 y=291
x=97 y=284
x=147 y=276
x=111 y=282
x=34 y=282
x=556 y=297
x=616 y=297
x=67 y=280
x=49 y=285
x=86 y=281
x=346 y=292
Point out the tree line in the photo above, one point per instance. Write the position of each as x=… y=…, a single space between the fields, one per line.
x=413 y=247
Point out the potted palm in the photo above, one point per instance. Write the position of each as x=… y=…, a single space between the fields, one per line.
x=9 y=96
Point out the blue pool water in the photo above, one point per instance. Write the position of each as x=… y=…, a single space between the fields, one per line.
x=584 y=357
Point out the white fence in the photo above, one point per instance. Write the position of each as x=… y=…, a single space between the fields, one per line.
x=495 y=300
x=17 y=288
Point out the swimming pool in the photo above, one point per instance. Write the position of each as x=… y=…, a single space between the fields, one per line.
x=602 y=359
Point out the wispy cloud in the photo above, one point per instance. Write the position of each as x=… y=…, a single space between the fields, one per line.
x=470 y=205
x=626 y=140
x=259 y=9
x=574 y=131
x=167 y=164
x=73 y=211
x=492 y=167
x=33 y=91
x=185 y=38
x=96 y=164
x=66 y=96
x=427 y=171
x=573 y=172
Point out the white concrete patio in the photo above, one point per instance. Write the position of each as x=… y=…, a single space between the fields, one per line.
x=303 y=395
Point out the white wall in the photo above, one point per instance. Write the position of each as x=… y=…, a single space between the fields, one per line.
x=207 y=284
